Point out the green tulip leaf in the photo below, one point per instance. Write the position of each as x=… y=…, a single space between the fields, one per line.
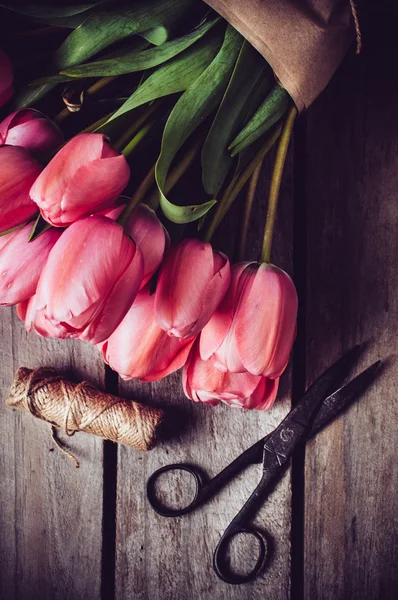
x=110 y=22
x=195 y=105
x=216 y=160
x=133 y=61
x=174 y=76
x=269 y=112
x=29 y=95
x=39 y=227
x=104 y=25
x=7 y=231
x=49 y=80
x=156 y=36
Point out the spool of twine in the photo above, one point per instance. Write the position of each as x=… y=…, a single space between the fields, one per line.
x=82 y=407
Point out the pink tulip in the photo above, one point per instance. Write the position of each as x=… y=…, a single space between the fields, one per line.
x=91 y=278
x=18 y=171
x=32 y=130
x=22 y=309
x=6 y=78
x=202 y=382
x=148 y=233
x=140 y=348
x=27 y=312
x=192 y=282
x=150 y=236
x=84 y=177
x=255 y=326
x=21 y=263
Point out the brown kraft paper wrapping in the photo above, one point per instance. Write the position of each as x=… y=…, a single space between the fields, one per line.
x=304 y=41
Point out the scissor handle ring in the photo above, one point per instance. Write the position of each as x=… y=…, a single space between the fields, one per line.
x=166 y=511
x=219 y=562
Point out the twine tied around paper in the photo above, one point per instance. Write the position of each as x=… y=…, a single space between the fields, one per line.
x=76 y=407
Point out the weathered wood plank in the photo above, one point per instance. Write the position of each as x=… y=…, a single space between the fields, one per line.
x=351 y=480
x=164 y=559
x=51 y=513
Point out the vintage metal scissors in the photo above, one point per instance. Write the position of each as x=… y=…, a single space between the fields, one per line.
x=322 y=402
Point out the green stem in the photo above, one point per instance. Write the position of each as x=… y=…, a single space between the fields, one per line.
x=237 y=185
x=251 y=193
x=134 y=127
x=149 y=180
x=137 y=139
x=138 y=196
x=91 y=91
x=176 y=174
x=275 y=187
x=98 y=123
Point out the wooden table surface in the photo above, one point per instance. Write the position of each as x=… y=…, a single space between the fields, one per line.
x=89 y=534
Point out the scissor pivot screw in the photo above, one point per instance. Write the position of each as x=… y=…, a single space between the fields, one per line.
x=287 y=434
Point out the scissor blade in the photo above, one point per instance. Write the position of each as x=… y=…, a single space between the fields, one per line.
x=332 y=379
x=279 y=446
x=336 y=403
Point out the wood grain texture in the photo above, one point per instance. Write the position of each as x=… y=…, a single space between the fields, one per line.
x=351 y=518
x=158 y=558
x=51 y=513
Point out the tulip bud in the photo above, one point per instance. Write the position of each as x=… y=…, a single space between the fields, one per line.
x=32 y=130
x=18 y=171
x=91 y=278
x=84 y=177
x=21 y=263
x=202 y=382
x=255 y=326
x=6 y=78
x=139 y=348
x=192 y=282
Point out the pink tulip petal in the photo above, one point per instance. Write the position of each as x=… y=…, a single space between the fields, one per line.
x=113 y=212
x=202 y=382
x=226 y=356
x=85 y=175
x=117 y=303
x=215 y=290
x=18 y=171
x=37 y=320
x=150 y=236
x=94 y=186
x=265 y=322
x=90 y=279
x=139 y=348
x=18 y=117
x=81 y=267
x=214 y=333
x=183 y=279
x=77 y=152
x=264 y=395
x=38 y=136
x=6 y=78
x=21 y=263
x=6 y=94
x=21 y=309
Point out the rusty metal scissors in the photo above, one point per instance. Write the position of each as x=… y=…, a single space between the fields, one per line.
x=322 y=402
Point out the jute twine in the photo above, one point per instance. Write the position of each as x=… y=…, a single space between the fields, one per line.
x=82 y=407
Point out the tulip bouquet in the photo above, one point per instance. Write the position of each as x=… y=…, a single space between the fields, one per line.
x=170 y=90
